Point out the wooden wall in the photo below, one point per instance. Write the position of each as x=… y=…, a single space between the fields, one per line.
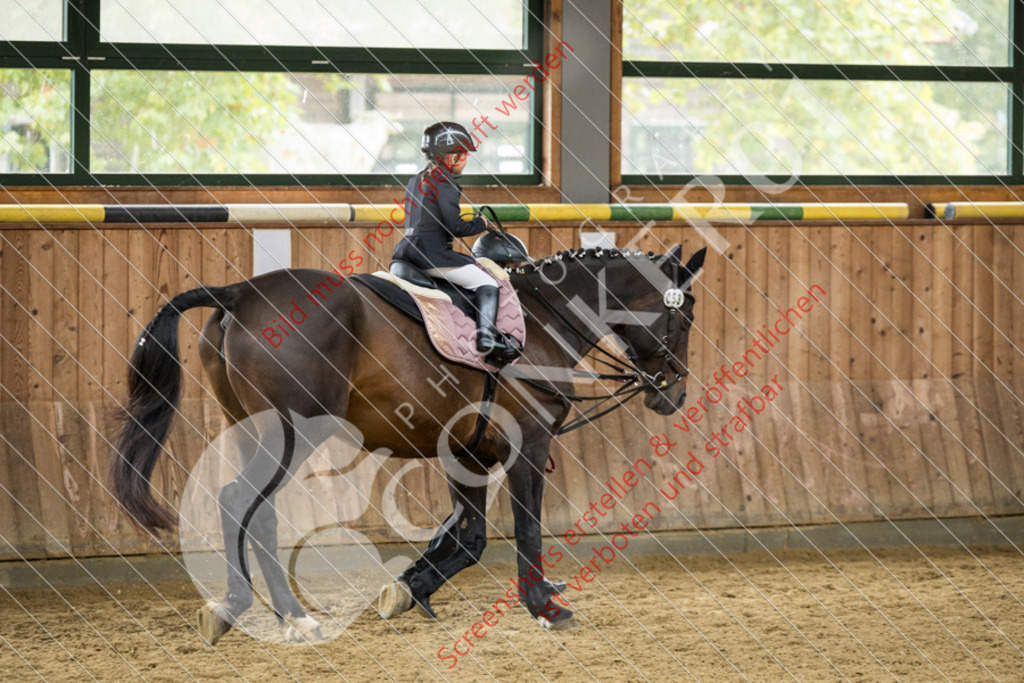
x=903 y=391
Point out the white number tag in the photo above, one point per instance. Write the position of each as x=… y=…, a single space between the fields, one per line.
x=674 y=298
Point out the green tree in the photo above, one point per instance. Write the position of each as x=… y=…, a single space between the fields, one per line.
x=187 y=122
x=155 y=122
x=821 y=126
x=35 y=120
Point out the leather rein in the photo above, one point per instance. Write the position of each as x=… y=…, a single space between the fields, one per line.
x=635 y=380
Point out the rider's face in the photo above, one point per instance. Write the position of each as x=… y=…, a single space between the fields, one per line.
x=457 y=161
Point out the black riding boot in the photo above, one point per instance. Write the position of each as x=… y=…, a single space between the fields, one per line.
x=487 y=337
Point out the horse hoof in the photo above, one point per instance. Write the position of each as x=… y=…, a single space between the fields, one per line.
x=214 y=622
x=560 y=625
x=424 y=605
x=394 y=599
x=303 y=630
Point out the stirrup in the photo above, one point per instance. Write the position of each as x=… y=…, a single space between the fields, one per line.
x=506 y=349
x=488 y=339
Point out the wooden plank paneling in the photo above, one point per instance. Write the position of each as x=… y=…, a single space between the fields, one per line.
x=821 y=269
x=1009 y=400
x=921 y=318
x=39 y=305
x=942 y=286
x=1006 y=304
x=840 y=304
x=89 y=267
x=24 y=482
x=65 y=323
x=1017 y=328
x=115 y=307
x=983 y=311
x=995 y=435
x=868 y=423
x=901 y=279
x=14 y=281
x=963 y=292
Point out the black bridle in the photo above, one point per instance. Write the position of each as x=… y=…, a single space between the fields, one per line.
x=660 y=381
x=634 y=378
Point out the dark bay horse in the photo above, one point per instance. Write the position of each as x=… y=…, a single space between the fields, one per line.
x=355 y=357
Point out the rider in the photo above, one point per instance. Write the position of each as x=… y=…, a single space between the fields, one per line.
x=433 y=221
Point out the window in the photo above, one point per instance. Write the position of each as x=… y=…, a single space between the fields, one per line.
x=346 y=23
x=259 y=91
x=823 y=90
x=35 y=121
x=32 y=20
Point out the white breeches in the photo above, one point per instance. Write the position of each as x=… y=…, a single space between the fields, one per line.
x=469 y=276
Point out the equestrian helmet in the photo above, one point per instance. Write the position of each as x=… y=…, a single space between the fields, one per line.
x=443 y=138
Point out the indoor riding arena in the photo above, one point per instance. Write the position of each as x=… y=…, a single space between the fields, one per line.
x=554 y=340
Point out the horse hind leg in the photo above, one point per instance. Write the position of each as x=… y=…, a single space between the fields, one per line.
x=248 y=515
x=263 y=533
x=216 y=618
x=211 y=353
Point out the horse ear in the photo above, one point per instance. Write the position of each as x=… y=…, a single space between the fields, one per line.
x=693 y=266
x=675 y=256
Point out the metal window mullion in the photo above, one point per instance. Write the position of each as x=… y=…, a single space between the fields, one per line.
x=1016 y=112
x=80 y=129
x=851 y=72
x=309 y=66
x=80 y=26
x=277 y=59
x=53 y=60
x=841 y=180
x=222 y=180
x=28 y=52
x=533 y=28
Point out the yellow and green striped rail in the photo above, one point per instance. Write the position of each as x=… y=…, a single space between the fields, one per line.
x=253 y=214
x=964 y=210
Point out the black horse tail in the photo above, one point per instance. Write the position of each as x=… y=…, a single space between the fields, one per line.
x=154 y=389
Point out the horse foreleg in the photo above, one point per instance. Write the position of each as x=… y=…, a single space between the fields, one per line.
x=526 y=482
x=443 y=544
x=396 y=597
x=457 y=544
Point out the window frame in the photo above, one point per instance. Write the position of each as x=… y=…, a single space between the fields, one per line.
x=1011 y=75
x=82 y=52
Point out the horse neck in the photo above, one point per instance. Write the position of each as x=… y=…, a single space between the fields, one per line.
x=581 y=284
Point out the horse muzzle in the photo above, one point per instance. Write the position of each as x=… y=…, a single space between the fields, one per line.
x=660 y=402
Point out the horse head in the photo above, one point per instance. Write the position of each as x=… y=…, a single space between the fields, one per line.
x=657 y=333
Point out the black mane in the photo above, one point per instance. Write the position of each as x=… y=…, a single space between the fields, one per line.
x=583 y=254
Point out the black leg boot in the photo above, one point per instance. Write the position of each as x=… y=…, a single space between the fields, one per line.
x=487 y=337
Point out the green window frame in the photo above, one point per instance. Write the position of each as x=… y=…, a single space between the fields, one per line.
x=1011 y=76
x=82 y=53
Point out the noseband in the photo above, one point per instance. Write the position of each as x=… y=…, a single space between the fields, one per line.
x=674 y=300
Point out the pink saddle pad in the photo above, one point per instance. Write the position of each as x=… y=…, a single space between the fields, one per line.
x=453 y=333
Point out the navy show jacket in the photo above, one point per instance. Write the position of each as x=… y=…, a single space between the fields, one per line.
x=432 y=221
